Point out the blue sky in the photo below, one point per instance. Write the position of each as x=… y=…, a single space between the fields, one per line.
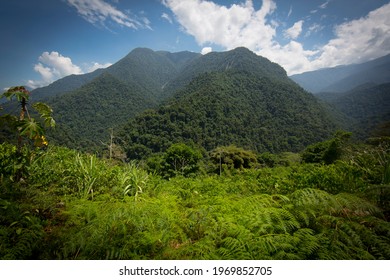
x=44 y=40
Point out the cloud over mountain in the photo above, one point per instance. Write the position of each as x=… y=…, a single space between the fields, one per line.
x=244 y=25
x=53 y=66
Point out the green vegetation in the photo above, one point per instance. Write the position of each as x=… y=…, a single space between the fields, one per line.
x=234 y=162
x=69 y=205
x=364 y=110
x=232 y=107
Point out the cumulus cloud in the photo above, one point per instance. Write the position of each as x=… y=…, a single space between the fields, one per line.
x=99 y=12
x=358 y=40
x=243 y=25
x=294 y=31
x=53 y=66
x=237 y=25
x=206 y=50
x=96 y=65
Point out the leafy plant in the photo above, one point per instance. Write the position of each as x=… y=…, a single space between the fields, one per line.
x=28 y=127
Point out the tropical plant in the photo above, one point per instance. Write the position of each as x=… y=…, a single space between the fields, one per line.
x=25 y=125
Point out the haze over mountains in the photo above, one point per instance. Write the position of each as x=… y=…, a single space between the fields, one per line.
x=345 y=78
x=153 y=99
x=360 y=94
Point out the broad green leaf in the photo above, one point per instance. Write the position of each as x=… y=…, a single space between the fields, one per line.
x=31 y=129
x=19 y=93
x=45 y=111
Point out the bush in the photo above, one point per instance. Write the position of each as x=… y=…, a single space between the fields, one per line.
x=232 y=157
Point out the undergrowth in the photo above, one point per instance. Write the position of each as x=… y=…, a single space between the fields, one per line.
x=77 y=206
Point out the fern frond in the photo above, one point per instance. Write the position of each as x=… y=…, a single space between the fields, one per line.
x=351 y=205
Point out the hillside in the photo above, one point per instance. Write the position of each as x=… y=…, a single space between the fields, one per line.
x=233 y=97
x=346 y=77
x=231 y=107
x=84 y=116
x=64 y=85
x=87 y=106
x=150 y=69
x=240 y=59
x=366 y=107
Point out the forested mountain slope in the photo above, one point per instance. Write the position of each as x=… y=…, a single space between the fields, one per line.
x=85 y=116
x=64 y=85
x=231 y=107
x=87 y=106
x=366 y=107
x=240 y=59
x=233 y=97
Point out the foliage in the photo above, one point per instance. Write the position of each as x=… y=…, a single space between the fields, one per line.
x=328 y=151
x=181 y=159
x=230 y=107
x=298 y=211
x=232 y=157
x=26 y=126
x=365 y=107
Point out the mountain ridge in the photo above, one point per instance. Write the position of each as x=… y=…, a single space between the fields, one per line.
x=345 y=77
x=256 y=104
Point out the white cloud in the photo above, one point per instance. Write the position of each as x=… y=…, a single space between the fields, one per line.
x=324 y=5
x=358 y=40
x=314 y=28
x=242 y=25
x=237 y=25
x=53 y=66
x=206 y=50
x=294 y=31
x=167 y=17
x=96 y=65
x=98 y=12
x=290 y=12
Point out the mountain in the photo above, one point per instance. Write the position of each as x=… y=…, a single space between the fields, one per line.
x=236 y=98
x=238 y=59
x=153 y=99
x=85 y=116
x=365 y=108
x=151 y=69
x=344 y=78
x=87 y=106
x=64 y=85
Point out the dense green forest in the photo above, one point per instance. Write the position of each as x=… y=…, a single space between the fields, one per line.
x=329 y=201
x=366 y=109
x=221 y=93
x=231 y=107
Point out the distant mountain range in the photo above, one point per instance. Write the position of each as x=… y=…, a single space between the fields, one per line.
x=358 y=95
x=345 y=78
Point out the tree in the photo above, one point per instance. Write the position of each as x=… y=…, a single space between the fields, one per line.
x=327 y=151
x=181 y=159
x=232 y=157
x=24 y=125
